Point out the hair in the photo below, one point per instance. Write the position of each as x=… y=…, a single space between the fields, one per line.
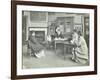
x=61 y=23
x=74 y=30
x=80 y=33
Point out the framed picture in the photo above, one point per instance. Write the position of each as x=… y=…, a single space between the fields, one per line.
x=52 y=39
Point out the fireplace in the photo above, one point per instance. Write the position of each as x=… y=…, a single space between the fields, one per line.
x=40 y=33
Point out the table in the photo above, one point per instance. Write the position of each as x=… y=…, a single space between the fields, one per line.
x=66 y=45
x=67 y=48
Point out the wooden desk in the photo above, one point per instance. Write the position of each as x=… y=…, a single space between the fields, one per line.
x=57 y=42
x=66 y=46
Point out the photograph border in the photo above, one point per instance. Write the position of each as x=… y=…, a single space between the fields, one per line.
x=14 y=39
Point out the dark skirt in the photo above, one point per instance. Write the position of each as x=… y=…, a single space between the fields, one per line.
x=36 y=47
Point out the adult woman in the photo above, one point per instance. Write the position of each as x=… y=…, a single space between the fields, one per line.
x=37 y=48
x=80 y=49
x=74 y=39
x=59 y=31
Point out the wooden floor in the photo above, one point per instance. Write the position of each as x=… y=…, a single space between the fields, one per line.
x=51 y=59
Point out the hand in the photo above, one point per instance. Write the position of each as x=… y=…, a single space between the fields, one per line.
x=71 y=42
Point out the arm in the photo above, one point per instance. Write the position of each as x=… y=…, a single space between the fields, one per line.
x=78 y=42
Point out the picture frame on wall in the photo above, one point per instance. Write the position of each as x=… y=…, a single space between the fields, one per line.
x=37 y=49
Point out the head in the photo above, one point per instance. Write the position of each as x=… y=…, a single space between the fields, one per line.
x=80 y=33
x=74 y=31
x=61 y=23
x=58 y=30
